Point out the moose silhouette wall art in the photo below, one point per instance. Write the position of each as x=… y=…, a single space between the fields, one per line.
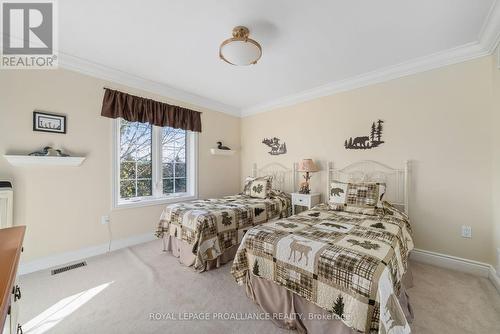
x=367 y=142
x=274 y=144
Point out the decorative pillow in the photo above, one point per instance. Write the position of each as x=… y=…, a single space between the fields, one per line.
x=258 y=188
x=250 y=182
x=363 y=197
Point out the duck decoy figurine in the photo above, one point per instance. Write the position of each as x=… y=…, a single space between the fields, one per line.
x=222 y=147
x=41 y=153
x=48 y=151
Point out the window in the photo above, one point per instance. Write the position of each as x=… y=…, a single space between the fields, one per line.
x=153 y=165
x=136 y=160
x=174 y=142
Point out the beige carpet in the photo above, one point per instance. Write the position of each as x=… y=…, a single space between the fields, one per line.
x=117 y=292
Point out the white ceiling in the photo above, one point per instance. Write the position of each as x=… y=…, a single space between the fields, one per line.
x=310 y=48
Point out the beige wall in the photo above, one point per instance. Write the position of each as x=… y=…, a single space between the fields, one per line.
x=444 y=120
x=441 y=120
x=61 y=206
x=496 y=158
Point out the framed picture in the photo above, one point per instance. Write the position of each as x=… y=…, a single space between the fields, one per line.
x=46 y=122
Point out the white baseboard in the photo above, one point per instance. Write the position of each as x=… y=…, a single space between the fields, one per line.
x=451 y=262
x=63 y=258
x=456 y=263
x=494 y=278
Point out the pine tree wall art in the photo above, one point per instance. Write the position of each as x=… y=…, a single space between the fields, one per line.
x=367 y=142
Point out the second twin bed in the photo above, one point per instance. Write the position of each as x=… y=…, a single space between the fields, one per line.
x=340 y=267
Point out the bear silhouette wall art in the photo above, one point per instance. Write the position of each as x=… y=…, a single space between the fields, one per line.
x=367 y=142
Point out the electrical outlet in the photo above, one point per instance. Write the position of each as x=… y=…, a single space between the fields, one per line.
x=466 y=231
x=104 y=220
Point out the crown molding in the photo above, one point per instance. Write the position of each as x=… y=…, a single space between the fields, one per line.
x=486 y=44
x=488 y=40
x=90 y=68
x=449 y=57
x=489 y=37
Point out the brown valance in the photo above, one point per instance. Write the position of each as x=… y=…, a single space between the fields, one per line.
x=138 y=109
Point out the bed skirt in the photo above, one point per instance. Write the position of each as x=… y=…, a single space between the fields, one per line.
x=182 y=250
x=278 y=301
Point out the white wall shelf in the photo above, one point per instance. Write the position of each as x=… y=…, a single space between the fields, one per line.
x=31 y=160
x=215 y=151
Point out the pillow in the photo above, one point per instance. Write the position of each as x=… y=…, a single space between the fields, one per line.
x=258 y=188
x=362 y=197
x=251 y=182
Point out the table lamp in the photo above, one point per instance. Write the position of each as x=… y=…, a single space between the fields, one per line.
x=307 y=166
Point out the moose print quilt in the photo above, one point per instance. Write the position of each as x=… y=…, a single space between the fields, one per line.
x=347 y=263
x=211 y=226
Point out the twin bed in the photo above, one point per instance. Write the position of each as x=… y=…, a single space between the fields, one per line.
x=206 y=233
x=330 y=269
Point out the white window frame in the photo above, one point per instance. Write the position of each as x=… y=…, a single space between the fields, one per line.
x=156 y=152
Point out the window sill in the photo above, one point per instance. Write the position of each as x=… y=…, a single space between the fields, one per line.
x=152 y=202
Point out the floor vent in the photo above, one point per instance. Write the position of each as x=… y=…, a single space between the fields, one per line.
x=69 y=267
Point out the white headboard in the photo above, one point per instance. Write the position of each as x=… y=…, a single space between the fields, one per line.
x=283 y=177
x=397 y=180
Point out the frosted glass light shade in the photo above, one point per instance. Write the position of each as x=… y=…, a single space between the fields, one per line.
x=240 y=53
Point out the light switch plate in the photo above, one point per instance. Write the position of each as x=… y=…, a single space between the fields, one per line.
x=104 y=220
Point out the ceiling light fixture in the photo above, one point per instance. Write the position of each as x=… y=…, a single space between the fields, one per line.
x=240 y=50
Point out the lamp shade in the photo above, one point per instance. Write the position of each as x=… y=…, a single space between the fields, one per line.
x=307 y=165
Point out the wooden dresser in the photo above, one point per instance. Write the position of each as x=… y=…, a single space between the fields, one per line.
x=11 y=246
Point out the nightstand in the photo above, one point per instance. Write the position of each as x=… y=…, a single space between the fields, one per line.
x=307 y=200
